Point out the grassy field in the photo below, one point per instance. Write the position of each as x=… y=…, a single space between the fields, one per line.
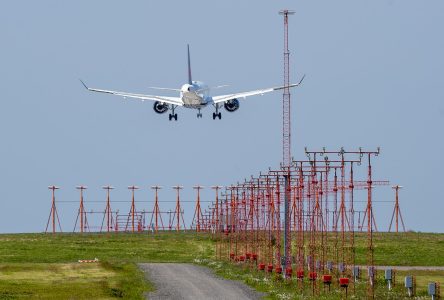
x=277 y=288
x=63 y=280
x=406 y=249
x=46 y=248
x=39 y=266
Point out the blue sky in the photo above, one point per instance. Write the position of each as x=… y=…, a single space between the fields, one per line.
x=374 y=78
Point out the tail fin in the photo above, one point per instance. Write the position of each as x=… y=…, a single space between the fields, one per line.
x=190 y=81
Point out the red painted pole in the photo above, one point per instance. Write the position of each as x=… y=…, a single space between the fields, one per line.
x=133 y=206
x=82 y=212
x=108 y=188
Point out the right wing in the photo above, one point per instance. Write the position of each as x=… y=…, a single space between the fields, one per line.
x=223 y=98
x=170 y=100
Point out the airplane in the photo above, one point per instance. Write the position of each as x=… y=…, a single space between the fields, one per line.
x=194 y=95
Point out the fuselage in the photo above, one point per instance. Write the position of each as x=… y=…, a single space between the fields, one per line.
x=195 y=95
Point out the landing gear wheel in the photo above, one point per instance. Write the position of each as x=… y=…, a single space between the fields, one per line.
x=214 y=116
x=170 y=117
x=175 y=117
x=220 y=116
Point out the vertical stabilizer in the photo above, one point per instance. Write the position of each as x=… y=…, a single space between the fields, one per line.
x=190 y=81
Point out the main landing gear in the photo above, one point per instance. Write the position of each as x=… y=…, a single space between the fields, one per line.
x=173 y=115
x=217 y=114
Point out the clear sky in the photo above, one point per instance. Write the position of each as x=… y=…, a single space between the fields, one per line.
x=374 y=78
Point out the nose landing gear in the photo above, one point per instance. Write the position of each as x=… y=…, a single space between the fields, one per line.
x=199 y=114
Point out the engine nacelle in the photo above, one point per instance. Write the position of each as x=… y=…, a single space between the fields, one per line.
x=160 y=107
x=231 y=105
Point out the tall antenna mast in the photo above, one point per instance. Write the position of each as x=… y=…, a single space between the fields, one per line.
x=286 y=109
x=286 y=142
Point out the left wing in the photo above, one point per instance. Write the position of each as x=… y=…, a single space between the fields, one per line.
x=223 y=98
x=170 y=100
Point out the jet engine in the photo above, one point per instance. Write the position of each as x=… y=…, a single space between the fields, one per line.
x=231 y=105
x=160 y=107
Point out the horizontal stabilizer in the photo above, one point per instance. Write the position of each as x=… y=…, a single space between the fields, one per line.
x=163 y=89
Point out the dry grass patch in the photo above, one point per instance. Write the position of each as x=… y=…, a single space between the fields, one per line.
x=54 y=272
x=60 y=281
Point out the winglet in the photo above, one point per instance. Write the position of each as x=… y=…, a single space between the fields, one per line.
x=84 y=84
x=190 y=81
x=300 y=81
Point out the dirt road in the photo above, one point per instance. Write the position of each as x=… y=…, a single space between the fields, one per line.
x=188 y=281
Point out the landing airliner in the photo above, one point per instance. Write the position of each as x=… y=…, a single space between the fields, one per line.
x=195 y=95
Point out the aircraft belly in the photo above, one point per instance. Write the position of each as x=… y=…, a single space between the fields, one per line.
x=192 y=100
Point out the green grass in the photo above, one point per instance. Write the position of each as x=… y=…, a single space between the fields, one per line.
x=403 y=249
x=275 y=287
x=44 y=266
x=71 y=281
x=390 y=249
x=47 y=248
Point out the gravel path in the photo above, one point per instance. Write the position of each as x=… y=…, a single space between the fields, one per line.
x=188 y=281
x=407 y=268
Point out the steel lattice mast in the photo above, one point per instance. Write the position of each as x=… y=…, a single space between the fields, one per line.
x=286 y=109
x=286 y=142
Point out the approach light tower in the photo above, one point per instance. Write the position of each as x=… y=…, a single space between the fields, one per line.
x=156 y=210
x=396 y=211
x=108 y=211
x=53 y=215
x=133 y=205
x=82 y=212
x=198 y=216
x=286 y=142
